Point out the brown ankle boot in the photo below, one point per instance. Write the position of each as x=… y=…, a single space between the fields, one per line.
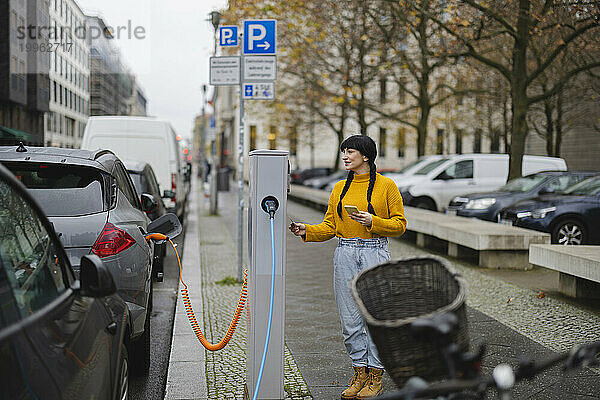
x=373 y=386
x=356 y=383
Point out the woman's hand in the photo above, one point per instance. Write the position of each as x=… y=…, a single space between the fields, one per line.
x=298 y=229
x=363 y=218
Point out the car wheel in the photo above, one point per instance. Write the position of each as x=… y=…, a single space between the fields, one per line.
x=426 y=204
x=141 y=348
x=569 y=232
x=123 y=376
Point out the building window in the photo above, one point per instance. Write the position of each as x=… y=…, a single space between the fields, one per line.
x=477 y=141
x=440 y=141
x=272 y=137
x=458 y=141
x=382 y=140
x=252 y=137
x=382 y=89
x=401 y=142
x=293 y=141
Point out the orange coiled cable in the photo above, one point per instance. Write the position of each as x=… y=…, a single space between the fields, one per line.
x=190 y=312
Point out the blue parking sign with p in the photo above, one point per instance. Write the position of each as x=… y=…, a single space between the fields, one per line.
x=228 y=35
x=260 y=36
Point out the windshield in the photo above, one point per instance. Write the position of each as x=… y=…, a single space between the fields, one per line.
x=427 y=168
x=409 y=166
x=588 y=187
x=523 y=184
x=62 y=190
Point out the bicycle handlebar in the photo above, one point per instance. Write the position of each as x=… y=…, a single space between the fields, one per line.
x=576 y=357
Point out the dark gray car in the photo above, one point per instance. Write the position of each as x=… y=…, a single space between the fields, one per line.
x=60 y=337
x=145 y=182
x=487 y=205
x=92 y=203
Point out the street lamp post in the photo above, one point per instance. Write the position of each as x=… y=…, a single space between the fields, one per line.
x=215 y=19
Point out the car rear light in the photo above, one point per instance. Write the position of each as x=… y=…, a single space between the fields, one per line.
x=112 y=241
x=174 y=186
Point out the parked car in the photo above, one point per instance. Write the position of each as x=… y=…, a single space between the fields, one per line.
x=433 y=186
x=143 y=138
x=144 y=180
x=60 y=337
x=572 y=217
x=487 y=205
x=299 y=176
x=321 y=182
x=94 y=208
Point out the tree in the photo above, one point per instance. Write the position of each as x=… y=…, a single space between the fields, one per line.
x=419 y=62
x=511 y=37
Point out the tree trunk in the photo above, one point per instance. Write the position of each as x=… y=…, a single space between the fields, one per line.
x=424 y=101
x=519 y=92
x=559 y=124
x=422 y=130
x=548 y=111
x=506 y=135
x=340 y=137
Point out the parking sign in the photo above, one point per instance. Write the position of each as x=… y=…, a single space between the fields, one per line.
x=228 y=35
x=260 y=36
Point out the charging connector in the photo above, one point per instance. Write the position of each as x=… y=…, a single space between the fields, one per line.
x=270 y=204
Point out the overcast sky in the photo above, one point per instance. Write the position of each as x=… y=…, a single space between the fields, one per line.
x=170 y=57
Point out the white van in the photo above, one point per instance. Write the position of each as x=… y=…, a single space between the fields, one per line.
x=434 y=185
x=143 y=139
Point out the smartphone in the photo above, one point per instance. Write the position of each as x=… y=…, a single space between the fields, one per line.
x=351 y=209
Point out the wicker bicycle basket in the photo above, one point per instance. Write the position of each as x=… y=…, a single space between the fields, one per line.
x=390 y=296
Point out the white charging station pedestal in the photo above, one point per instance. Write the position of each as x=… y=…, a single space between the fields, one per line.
x=269 y=170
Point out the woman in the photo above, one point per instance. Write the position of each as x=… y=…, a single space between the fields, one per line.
x=362 y=243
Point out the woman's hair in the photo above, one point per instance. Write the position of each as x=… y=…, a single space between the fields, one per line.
x=366 y=146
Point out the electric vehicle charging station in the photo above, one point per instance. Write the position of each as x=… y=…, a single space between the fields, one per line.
x=268 y=178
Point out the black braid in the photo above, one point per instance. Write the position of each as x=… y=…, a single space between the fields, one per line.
x=344 y=190
x=372 y=177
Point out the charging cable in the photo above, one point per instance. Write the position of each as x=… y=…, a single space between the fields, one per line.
x=185 y=296
x=271 y=207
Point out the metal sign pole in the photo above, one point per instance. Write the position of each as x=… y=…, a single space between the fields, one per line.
x=241 y=176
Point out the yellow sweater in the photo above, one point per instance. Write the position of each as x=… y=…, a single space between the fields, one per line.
x=387 y=203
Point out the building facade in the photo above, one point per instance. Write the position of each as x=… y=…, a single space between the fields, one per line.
x=24 y=64
x=111 y=84
x=69 y=76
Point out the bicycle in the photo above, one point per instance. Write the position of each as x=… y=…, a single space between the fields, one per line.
x=414 y=309
x=466 y=380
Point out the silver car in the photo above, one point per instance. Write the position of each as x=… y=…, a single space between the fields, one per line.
x=90 y=200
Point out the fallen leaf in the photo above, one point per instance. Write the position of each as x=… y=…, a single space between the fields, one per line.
x=509 y=300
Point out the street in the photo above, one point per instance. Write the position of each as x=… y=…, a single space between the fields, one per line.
x=152 y=387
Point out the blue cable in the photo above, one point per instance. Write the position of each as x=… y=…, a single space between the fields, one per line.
x=264 y=356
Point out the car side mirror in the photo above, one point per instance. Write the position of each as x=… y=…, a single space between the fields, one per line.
x=149 y=203
x=167 y=224
x=168 y=194
x=96 y=279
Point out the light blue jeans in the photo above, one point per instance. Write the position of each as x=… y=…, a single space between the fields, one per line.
x=350 y=257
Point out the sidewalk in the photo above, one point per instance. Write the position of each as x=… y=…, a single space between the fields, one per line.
x=511 y=319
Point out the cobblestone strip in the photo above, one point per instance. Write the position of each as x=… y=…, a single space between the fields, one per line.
x=226 y=368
